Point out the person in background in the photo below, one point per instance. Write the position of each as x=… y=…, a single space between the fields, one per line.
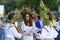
x=58 y=28
x=10 y=30
x=52 y=20
x=38 y=24
x=48 y=32
x=2 y=26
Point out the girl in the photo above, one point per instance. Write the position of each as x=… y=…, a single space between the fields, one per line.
x=48 y=31
x=27 y=27
x=10 y=31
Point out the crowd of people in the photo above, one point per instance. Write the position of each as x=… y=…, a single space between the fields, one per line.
x=33 y=28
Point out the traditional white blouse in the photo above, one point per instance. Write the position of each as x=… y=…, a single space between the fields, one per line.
x=10 y=31
x=25 y=28
x=33 y=27
x=48 y=32
x=28 y=34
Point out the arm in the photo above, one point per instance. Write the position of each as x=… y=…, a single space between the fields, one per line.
x=54 y=33
x=15 y=33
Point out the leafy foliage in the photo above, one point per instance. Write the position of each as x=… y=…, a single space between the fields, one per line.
x=52 y=4
x=13 y=4
x=43 y=12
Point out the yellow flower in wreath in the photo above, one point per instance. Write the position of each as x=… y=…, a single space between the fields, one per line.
x=21 y=10
x=26 y=8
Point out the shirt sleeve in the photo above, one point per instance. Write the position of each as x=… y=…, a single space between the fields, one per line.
x=34 y=27
x=15 y=33
x=46 y=34
x=54 y=33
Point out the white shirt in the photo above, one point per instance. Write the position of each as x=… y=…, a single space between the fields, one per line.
x=57 y=26
x=51 y=33
x=28 y=30
x=11 y=31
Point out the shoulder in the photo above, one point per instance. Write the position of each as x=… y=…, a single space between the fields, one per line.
x=45 y=25
x=12 y=28
x=7 y=25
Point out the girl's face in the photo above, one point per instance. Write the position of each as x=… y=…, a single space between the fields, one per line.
x=27 y=17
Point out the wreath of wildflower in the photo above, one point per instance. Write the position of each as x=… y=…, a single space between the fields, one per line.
x=25 y=10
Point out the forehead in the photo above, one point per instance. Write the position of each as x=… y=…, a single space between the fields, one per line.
x=27 y=14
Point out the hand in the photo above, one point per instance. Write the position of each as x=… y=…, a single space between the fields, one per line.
x=26 y=33
x=38 y=30
x=38 y=36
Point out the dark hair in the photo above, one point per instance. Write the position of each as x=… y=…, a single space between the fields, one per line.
x=38 y=17
x=50 y=17
x=10 y=16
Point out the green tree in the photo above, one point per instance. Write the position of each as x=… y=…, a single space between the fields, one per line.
x=12 y=4
x=52 y=4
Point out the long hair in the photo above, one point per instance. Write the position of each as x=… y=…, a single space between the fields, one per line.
x=10 y=16
x=28 y=21
x=50 y=17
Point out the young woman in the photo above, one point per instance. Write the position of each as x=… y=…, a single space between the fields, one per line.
x=10 y=30
x=27 y=27
x=2 y=32
x=48 y=32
